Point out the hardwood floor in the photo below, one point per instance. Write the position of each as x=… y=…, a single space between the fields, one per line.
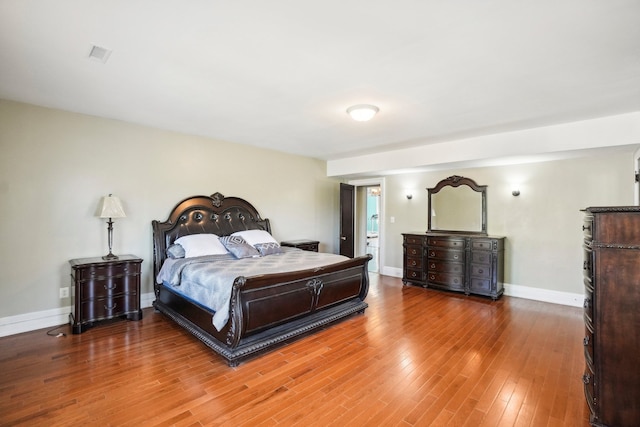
x=417 y=357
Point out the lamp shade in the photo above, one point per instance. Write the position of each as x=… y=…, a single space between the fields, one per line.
x=111 y=207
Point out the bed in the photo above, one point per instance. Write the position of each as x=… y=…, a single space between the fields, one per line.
x=264 y=310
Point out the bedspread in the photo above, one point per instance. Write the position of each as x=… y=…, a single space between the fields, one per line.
x=209 y=279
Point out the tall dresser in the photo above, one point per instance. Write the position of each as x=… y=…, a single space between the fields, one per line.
x=468 y=263
x=612 y=315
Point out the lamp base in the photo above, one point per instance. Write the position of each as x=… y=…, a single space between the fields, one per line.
x=110 y=256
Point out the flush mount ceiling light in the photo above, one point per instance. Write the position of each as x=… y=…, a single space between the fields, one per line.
x=362 y=112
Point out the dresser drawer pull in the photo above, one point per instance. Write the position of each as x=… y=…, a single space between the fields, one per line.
x=585 y=341
x=586 y=227
x=413 y=274
x=110 y=287
x=455 y=257
x=432 y=277
x=586 y=378
x=432 y=253
x=110 y=307
x=413 y=252
x=432 y=265
x=413 y=263
x=480 y=271
x=585 y=265
x=587 y=303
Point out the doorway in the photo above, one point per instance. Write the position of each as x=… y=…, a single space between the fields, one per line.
x=369 y=221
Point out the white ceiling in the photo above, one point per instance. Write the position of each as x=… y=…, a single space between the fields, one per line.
x=280 y=74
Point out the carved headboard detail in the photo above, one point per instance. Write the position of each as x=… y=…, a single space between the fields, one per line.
x=215 y=214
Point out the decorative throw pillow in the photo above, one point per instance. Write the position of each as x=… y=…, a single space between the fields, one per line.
x=175 y=251
x=254 y=237
x=201 y=244
x=239 y=247
x=268 y=248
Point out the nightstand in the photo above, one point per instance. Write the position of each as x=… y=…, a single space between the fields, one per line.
x=306 y=245
x=104 y=289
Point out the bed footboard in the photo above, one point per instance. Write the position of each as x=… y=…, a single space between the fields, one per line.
x=268 y=310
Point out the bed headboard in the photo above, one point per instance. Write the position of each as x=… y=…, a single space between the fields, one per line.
x=215 y=214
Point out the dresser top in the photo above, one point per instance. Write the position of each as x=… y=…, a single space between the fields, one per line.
x=599 y=209
x=450 y=234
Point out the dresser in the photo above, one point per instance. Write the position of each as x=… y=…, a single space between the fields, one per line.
x=469 y=263
x=104 y=289
x=612 y=315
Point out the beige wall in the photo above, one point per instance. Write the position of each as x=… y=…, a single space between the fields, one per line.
x=542 y=225
x=56 y=165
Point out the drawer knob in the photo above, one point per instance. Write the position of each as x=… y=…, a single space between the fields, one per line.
x=413 y=252
x=432 y=277
x=110 y=287
x=585 y=341
x=455 y=257
x=433 y=265
x=413 y=263
x=110 y=307
x=480 y=271
x=432 y=253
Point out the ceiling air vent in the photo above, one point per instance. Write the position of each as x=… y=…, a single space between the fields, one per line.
x=99 y=53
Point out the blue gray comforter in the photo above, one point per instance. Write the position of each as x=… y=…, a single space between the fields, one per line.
x=208 y=280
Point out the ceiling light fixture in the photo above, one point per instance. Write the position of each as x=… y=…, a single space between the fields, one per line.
x=362 y=112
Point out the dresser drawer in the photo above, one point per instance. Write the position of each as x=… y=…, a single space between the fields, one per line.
x=438 y=266
x=481 y=244
x=480 y=286
x=481 y=257
x=588 y=300
x=589 y=389
x=415 y=263
x=414 y=251
x=481 y=270
x=446 y=242
x=414 y=240
x=445 y=254
x=455 y=281
x=414 y=275
x=106 y=308
x=108 y=270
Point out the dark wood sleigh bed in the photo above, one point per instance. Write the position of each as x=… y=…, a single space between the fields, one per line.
x=265 y=310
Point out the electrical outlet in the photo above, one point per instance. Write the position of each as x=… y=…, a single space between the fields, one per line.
x=64 y=293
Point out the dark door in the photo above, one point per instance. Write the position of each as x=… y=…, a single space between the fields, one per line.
x=347 y=202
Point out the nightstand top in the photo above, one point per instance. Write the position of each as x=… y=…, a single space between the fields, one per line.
x=299 y=242
x=98 y=260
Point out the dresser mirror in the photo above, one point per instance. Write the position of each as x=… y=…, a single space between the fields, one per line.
x=457 y=204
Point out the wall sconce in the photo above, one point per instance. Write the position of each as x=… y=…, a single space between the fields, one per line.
x=110 y=207
x=515 y=192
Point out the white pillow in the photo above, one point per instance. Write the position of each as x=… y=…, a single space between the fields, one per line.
x=255 y=237
x=201 y=244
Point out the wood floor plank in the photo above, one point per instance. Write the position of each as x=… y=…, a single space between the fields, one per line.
x=417 y=357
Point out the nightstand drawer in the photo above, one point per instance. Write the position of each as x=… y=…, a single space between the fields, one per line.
x=106 y=308
x=110 y=286
x=108 y=270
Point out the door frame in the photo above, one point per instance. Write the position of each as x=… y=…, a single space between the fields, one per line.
x=381 y=214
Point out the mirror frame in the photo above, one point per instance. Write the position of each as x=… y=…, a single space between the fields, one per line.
x=456 y=181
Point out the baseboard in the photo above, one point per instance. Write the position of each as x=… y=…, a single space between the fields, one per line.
x=48 y=318
x=518 y=291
